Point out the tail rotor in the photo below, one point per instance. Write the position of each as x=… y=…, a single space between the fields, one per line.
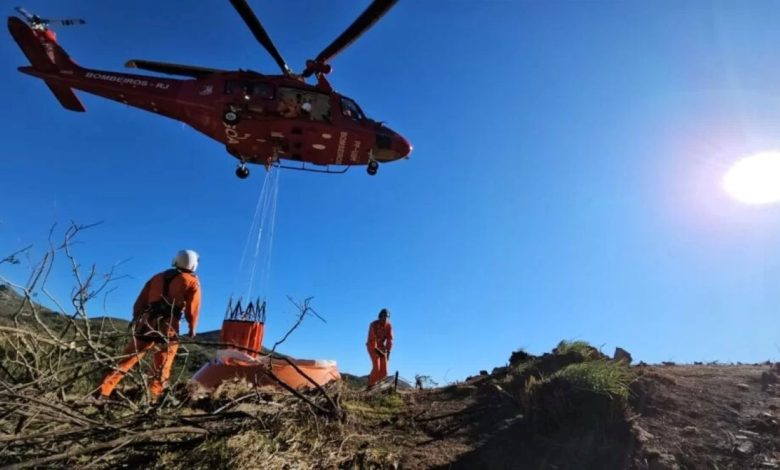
x=36 y=22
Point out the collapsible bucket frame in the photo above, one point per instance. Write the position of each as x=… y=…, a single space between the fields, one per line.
x=244 y=326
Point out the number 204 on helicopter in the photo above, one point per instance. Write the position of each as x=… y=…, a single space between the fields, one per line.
x=272 y=120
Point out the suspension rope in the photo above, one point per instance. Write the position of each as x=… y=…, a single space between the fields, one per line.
x=265 y=281
x=259 y=241
x=255 y=222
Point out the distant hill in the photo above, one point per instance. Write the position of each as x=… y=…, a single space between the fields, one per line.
x=361 y=381
x=13 y=303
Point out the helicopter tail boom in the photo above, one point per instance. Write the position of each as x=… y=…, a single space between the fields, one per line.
x=45 y=55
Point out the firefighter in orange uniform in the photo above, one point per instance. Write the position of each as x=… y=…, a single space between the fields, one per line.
x=379 y=344
x=156 y=314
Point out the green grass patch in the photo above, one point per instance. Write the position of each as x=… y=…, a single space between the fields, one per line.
x=583 y=348
x=604 y=377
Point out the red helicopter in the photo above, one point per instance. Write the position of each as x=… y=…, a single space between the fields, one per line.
x=265 y=119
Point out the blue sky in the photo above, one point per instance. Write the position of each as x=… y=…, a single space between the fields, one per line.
x=565 y=181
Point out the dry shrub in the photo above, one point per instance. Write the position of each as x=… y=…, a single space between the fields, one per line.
x=232 y=389
x=375 y=408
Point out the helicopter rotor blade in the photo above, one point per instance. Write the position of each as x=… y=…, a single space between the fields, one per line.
x=259 y=32
x=37 y=20
x=66 y=22
x=29 y=16
x=171 y=69
x=363 y=23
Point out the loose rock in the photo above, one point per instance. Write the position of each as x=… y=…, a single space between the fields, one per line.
x=622 y=355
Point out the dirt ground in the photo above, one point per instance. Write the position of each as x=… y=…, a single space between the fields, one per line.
x=707 y=416
x=677 y=417
x=680 y=416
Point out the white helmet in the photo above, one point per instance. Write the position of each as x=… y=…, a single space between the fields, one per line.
x=186 y=259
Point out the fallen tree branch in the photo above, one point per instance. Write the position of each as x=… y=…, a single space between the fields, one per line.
x=238 y=400
x=121 y=441
x=296 y=392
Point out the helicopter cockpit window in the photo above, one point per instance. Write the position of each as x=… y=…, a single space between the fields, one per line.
x=350 y=109
x=296 y=103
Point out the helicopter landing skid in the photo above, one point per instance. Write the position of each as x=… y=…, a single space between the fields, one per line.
x=303 y=167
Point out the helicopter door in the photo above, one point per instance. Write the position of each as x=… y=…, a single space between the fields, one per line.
x=261 y=97
x=352 y=146
x=307 y=105
x=310 y=131
x=253 y=96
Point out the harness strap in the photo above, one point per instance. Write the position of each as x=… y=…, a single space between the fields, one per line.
x=164 y=306
x=168 y=277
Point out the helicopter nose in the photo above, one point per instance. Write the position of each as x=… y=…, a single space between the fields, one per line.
x=402 y=146
x=390 y=145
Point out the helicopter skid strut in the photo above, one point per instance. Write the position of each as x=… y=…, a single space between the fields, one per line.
x=242 y=171
x=373 y=167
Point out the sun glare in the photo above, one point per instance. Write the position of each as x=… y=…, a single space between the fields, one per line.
x=755 y=179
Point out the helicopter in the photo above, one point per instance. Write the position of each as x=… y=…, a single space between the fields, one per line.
x=273 y=120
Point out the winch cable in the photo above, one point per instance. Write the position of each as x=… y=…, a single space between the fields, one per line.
x=252 y=227
x=259 y=241
x=263 y=245
x=240 y=276
x=265 y=280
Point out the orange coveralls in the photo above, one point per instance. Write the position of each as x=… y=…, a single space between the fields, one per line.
x=380 y=341
x=158 y=330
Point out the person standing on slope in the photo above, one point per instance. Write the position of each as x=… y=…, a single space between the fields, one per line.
x=379 y=344
x=156 y=314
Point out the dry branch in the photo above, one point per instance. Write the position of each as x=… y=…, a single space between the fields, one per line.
x=135 y=439
x=45 y=357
